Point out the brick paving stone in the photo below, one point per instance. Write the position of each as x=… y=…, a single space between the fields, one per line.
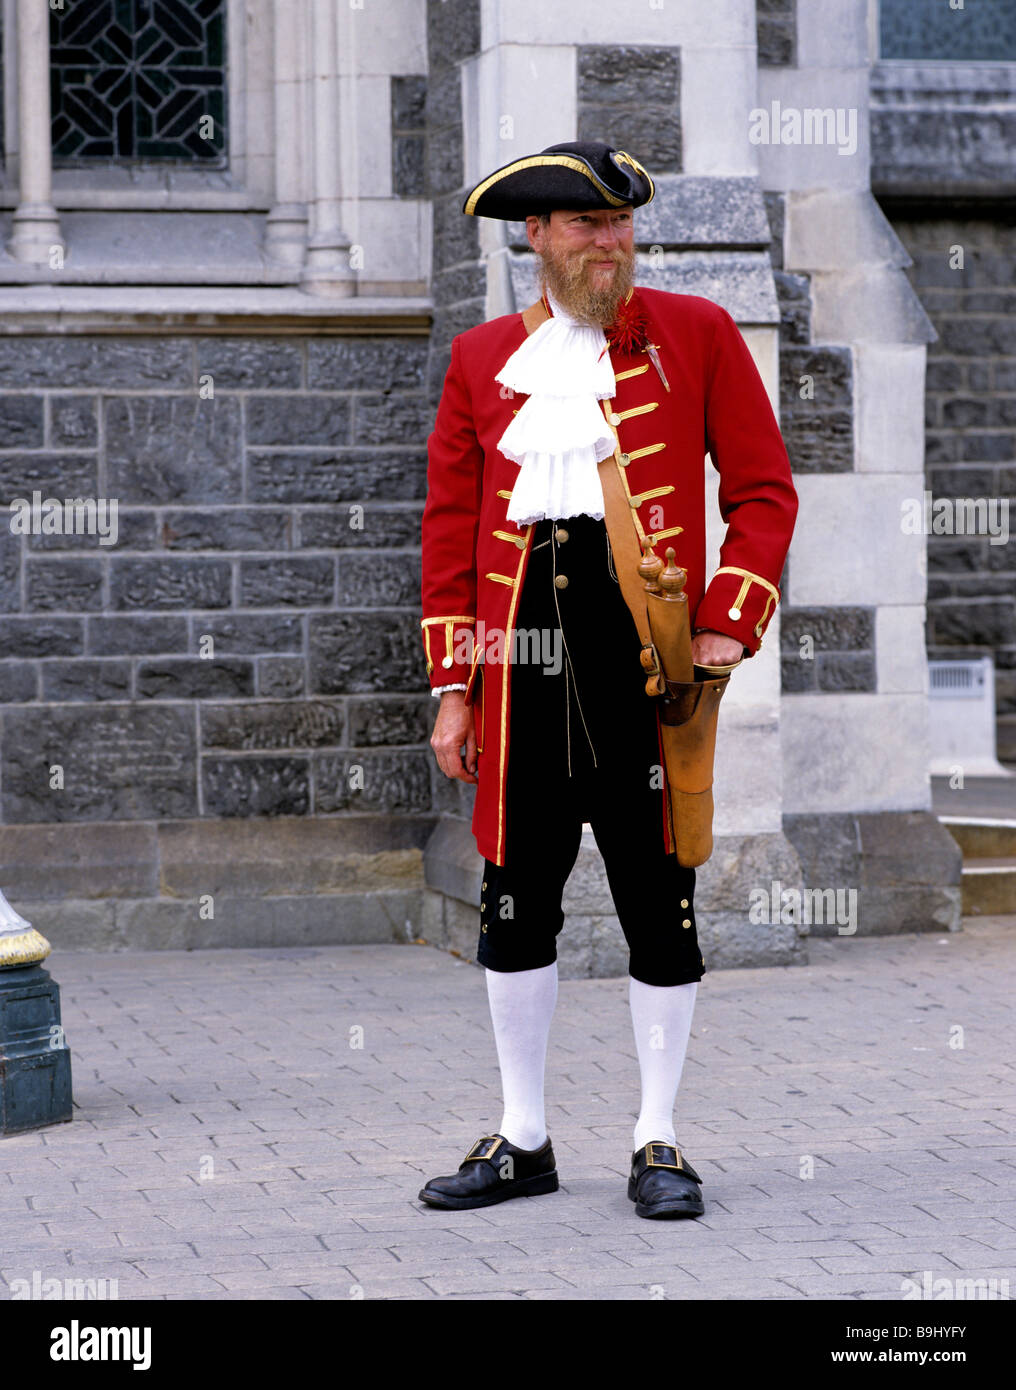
x=465 y=1282
x=318 y=1150
x=178 y=1286
x=380 y=1289
x=885 y=1286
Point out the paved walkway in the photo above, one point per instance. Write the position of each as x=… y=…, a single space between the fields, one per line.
x=231 y=1142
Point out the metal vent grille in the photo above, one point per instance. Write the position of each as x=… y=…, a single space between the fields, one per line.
x=958 y=680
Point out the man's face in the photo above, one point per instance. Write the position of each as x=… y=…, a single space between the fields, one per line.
x=587 y=259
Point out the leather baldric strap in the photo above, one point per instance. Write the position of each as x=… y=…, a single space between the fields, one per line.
x=624 y=542
x=534 y=316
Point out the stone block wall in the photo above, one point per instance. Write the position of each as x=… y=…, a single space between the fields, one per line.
x=409 y=121
x=776 y=33
x=458 y=279
x=630 y=96
x=877 y=871
x=822 y=649
x=970 y=430
x=250 y=645
x=942 y=168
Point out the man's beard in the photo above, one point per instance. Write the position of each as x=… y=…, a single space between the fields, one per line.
x=591 y=296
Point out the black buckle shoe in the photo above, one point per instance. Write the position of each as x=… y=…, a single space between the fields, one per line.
x=663 y=1184
x=492 y=1171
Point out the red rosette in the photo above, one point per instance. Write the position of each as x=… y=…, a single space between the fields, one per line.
x=630 y=329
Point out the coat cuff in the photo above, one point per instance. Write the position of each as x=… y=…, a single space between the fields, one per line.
x=448 y=643
x=739 y=604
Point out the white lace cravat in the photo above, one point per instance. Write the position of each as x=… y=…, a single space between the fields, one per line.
x=559 y=435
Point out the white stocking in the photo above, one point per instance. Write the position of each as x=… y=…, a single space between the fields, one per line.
x=661 y=1020
x=521 y=1008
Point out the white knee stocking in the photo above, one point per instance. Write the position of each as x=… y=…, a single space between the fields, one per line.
x=521 y=1008
x=661 y=1020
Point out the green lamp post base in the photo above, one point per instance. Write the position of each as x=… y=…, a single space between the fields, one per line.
x=35 y=1061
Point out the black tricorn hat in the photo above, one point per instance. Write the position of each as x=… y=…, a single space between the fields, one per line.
x=578 y=174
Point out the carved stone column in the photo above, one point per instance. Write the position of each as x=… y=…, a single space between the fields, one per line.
x=286 y=224
x=36 y=226
x=327 y=271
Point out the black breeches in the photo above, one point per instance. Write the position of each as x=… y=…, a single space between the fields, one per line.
x=583 y=748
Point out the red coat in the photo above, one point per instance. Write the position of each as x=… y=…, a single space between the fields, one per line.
x=474 y=559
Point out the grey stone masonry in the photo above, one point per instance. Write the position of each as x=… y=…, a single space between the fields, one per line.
x=943 y=129
x=822 y=649
x=408 y=103
x=252 y=879
x=249 y=644
x=793 y=291
x=458 y=279
x=899 y=870
x=776 y=33
x=948 y=34
x=816 y=380
x=828 y=649
x=630 y=96
x=817 y=408
x=964 y=271
x=942 y=141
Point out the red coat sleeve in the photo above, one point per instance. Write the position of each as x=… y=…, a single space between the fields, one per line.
x=451 y=517
x=757 y=497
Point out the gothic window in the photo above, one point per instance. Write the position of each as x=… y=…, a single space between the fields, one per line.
x=136 y=80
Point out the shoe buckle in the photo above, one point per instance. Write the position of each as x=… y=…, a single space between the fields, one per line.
x=653 y=1162
x=494 y=1140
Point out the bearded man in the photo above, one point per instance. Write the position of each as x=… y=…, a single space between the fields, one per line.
x=514 y=542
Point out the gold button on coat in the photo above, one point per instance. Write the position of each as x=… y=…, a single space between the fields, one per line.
x=614 y=418
x=447 y=661
x=561 y=581
x=733 y=614
x=686 y=922
x=561 y=534
x=684 y=901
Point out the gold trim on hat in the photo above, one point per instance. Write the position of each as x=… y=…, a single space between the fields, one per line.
x=562 y=161
x=623 y=157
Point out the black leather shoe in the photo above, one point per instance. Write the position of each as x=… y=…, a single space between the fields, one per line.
x=663 y=1184
x=492 y=1171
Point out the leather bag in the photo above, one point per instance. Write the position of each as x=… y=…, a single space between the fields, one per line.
x=688 y=708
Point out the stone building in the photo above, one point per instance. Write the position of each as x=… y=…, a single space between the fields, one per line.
x=234 y=260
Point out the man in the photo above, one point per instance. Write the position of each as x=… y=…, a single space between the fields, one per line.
x=514 y=544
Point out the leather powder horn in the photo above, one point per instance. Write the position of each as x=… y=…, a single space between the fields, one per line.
x=689 y=695
x=690 y=704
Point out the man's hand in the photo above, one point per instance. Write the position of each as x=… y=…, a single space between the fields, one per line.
x=453 y=728
x=714 y=649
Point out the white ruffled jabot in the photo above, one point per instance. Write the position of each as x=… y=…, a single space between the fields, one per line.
x=560 y=434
